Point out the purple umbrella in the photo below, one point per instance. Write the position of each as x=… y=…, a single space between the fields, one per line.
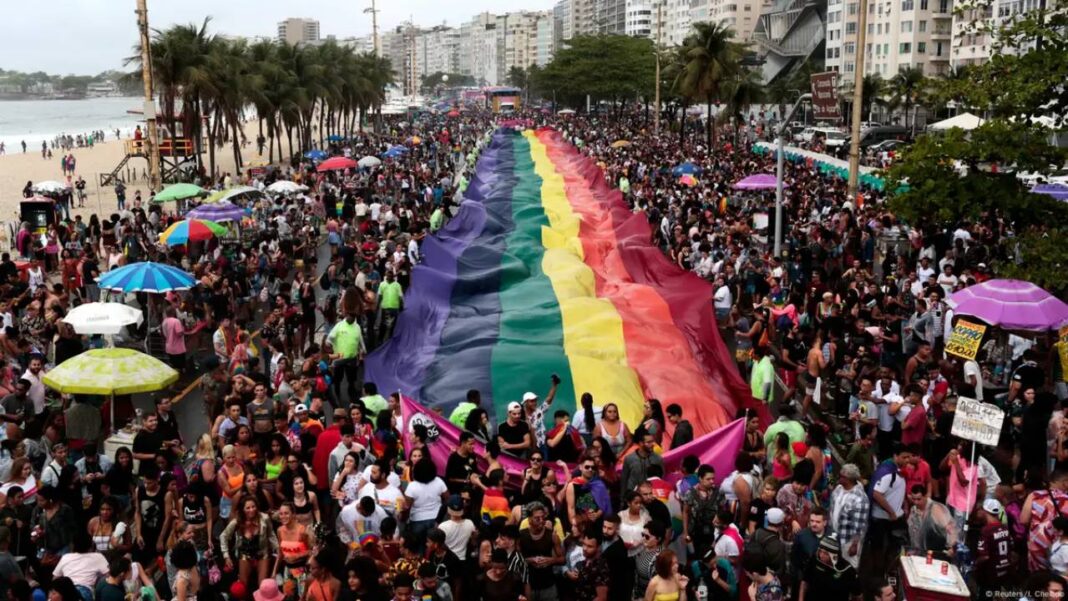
x=1057 y=191
x=218 y=211
x=1011 y=304
x=760 y=181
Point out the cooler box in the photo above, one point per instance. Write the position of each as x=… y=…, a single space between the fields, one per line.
x=922 y=582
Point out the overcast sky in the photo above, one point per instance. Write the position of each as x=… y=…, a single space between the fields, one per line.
x=86 y=37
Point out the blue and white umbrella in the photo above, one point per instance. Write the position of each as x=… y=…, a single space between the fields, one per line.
x=394 y=152
x=316 y=155
x=334 y=138
x=686 y=168
x=146 y=277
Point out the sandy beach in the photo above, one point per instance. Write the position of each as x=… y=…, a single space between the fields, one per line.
x=16 y=169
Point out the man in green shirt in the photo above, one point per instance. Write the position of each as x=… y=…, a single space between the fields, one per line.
x=390 y=302
x=346 y=338
x=762 y=382
x=787 y=423
x=437 y=219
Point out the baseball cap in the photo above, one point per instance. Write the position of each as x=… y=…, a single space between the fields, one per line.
x=992 y=507
x=456 y=503
x=301 y=408
x=775 y=516
x=530 y=396
x=514 y=406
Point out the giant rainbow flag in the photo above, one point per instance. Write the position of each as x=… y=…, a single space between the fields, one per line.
x=545 y=270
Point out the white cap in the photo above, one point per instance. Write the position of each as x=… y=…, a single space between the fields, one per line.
x=514 y=406
x=775 y=516
x=301 y=408
x=529 y=396
x=992 y=507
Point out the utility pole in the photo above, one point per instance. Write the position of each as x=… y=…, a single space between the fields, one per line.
x=780 y=152
x=656 y=115
x=858 y=102
x=151 y=145
x=374 y=26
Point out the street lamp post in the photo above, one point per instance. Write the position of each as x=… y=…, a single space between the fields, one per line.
x=858 y=102
x=374 y=25
x=780 y=152
x=656 y=115
x=151 y=139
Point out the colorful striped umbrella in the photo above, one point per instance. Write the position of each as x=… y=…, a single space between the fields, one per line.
x=179 y=192
x=146 y=277
x=336 y=164
x=191 y=230
x=221 y=211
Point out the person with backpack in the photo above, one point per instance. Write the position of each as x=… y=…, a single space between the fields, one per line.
x=766 y=543
x=887 y=494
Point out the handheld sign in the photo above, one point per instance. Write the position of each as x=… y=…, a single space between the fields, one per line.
x=965 y=339
x=978 y=421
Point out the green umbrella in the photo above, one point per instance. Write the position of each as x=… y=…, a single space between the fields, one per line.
x=179 y=192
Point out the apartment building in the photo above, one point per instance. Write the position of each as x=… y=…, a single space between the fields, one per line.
x=439 y=50
x=739 y=15
x=295 y=31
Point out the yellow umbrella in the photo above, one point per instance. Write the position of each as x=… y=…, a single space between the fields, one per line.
x=620 y=143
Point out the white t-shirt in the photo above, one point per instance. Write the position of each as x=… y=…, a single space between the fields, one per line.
x=726 y=546
x=426 y=499
x=971 y=368
x=365 y=478
x=722 y=298
x=82 y=568
x=386 y=498
x=1058 y=557
x=457 y=535
x=895 y=496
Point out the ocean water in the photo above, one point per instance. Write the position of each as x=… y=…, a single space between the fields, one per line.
x=42 y=120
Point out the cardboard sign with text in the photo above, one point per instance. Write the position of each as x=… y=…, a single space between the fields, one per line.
x=965 y=339
x=978 y=421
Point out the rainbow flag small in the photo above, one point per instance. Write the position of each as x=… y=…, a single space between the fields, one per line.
x=494 y=505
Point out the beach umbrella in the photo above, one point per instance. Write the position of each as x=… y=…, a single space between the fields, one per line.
x=316 y=155
x=686 y=168
x=620 y=143
x=1057 y=191
x=334 y=138
x=760 y=181
x=395 y=152
x=191 y=230
x=231 y=193
x=1011 y=304
x=336 y=164
x=103 y=318
x=179 y=192
x=146 y=277
x=416 y=140
x=221 y=211
x=110 y=372
x=565 y=112
x=688 y=180
x=369 y=161
x=285 y=186
x=50 y=187
x=452 y=114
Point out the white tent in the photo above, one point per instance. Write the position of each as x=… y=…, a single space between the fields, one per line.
x=965 y=121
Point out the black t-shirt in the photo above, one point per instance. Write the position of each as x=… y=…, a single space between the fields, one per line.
x=7 y=269
x=829 y=584
x=147 y=442
x=90 y=269
x=513 y=434
x=220 y=306
x=459 y=468
x=446 y=566
x=659 y=512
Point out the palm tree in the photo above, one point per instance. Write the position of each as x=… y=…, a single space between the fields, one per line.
x=712 y=58
x=908 y=84
x=743 y=90
x=873 y=88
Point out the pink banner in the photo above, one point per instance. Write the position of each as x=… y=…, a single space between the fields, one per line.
x=717 y=448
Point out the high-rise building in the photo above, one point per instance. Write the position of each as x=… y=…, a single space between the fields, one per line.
x=901 y=34
x=562 y=15
x=295 y=31
x=739 y=15
x=640 y=19
x=788 y=33
x=438 y=50
x=481 y=48
x=677 y=22
x=610 y=16
x=547 y=35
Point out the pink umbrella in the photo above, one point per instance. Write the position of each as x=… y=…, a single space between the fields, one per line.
x=688 y=180
x=760 y=181
x=1011 y=304
x=336 y=164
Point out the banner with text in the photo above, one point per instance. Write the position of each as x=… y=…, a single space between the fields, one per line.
x=825 y=96
x=965 y=339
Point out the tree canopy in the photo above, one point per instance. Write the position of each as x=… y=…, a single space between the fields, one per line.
x=605 y=67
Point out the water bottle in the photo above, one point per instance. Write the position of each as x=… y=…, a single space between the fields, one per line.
x=138 y=418
x=702 y=592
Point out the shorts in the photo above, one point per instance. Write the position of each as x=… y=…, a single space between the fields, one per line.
x=809 y=383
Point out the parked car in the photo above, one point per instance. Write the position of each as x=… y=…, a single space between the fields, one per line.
x=887 y=145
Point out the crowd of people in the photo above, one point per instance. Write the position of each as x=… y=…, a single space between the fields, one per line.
x=303 y=486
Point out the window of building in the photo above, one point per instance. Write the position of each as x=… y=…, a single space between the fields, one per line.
x=878 y=50
x=851 y=28
x=922 y=26
x=904 y=48
x=938 y=49
x=850 y=67
x=906 y=5
x=921 y=47
x=906 y=27
x=850 y=47
x=943 y=6
x=852 y=8
x=871 y=29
